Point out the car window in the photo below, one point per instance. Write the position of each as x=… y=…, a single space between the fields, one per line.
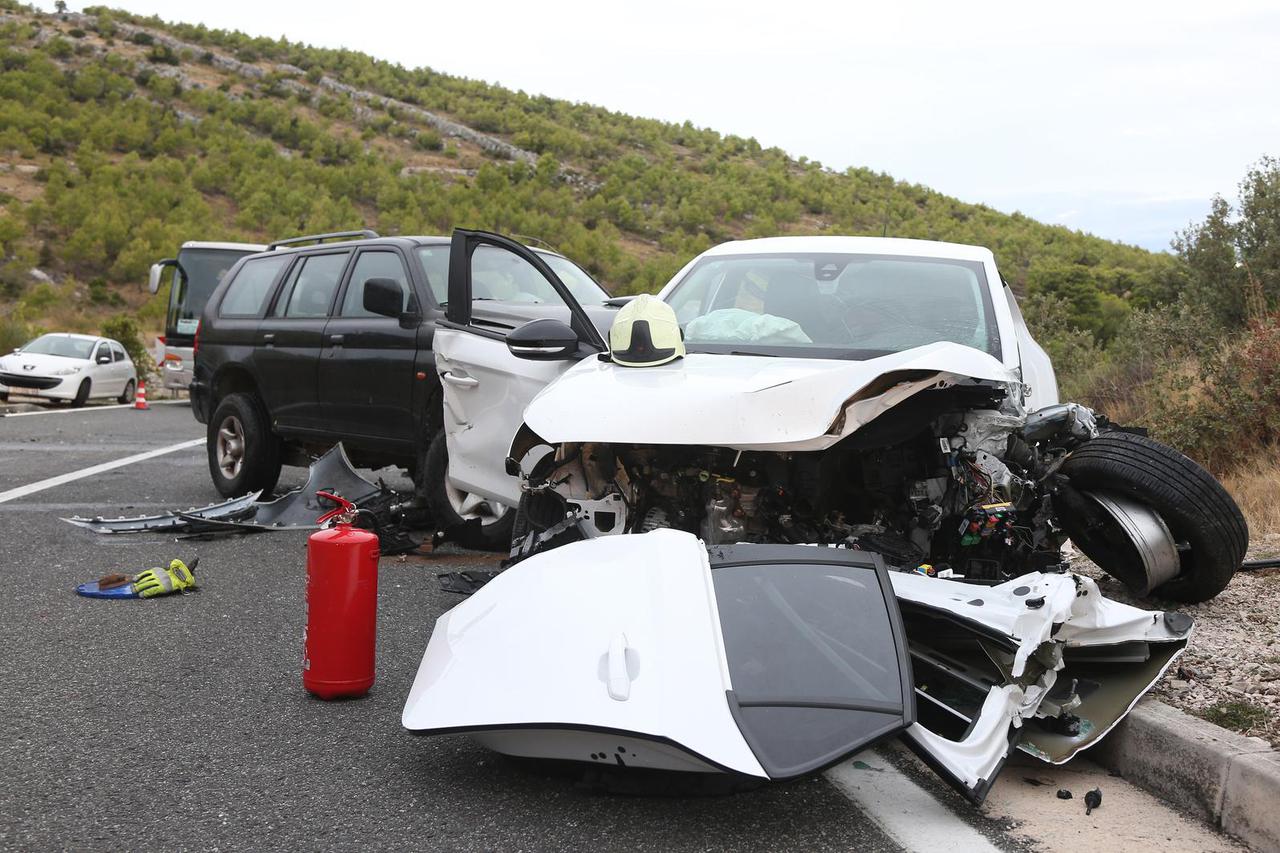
x=435 y=263
x=314 y=285
x=59 y=345
x=527 y=286
x=498 y=275
x=374 y=265
x=248 y=292
x=118 y=353
x=833 y=305
x=100 y=351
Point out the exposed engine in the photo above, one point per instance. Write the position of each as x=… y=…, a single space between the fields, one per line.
x=954 y=481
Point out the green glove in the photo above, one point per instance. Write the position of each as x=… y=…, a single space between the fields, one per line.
x=158 y=581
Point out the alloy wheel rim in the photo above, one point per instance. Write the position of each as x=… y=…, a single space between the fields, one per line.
x=230 y=446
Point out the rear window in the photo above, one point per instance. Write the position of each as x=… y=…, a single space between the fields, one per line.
x=248 y=292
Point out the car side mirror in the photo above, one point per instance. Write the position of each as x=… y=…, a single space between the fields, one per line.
x=383 y=296
x=104 y=359
x=157 y=273
x=543 y=340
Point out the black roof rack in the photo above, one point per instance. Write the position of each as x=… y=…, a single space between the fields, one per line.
x=363 y=234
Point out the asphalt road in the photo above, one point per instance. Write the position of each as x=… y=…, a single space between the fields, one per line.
x=181 y=722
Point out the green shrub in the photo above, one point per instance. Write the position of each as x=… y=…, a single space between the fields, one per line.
x=124 y=329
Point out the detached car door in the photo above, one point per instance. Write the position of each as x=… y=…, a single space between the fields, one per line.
x=497 y=286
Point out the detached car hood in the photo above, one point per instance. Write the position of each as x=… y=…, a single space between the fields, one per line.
x=745 y=402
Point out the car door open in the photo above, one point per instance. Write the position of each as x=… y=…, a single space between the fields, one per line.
x=497 y=286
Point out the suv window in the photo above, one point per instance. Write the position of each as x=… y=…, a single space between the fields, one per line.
x=373 y=265
x=117 y=352
x=248 y=291
x=314 y=284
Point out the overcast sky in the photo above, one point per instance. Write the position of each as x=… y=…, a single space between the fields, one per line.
x=1118 y=118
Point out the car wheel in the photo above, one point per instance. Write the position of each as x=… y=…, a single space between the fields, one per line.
x=454 y=508
x=244 y=454
x=4 y=396
x=129 y=391
x=1203 y=518
x=82 y=394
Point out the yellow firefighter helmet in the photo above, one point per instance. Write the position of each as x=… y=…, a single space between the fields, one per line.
x=645 y=333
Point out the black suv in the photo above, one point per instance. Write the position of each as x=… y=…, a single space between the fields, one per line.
x=312 y=342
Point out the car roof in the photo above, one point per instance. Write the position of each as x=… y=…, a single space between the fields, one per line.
x=401 y=240
x=213 y=244
x=853 y=246
x=73 y=335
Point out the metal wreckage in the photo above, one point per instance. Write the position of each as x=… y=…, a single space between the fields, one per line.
x=388 y=512
x=741 y=563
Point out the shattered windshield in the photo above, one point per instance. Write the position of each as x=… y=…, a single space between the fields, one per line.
x=833 y=305
x=60 y=345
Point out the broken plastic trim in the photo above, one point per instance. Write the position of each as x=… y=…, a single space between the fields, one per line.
x=295 y=510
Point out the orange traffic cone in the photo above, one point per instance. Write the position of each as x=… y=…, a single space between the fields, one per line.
x=140 y=398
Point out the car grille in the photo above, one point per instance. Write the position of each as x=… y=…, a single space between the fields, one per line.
x=17 y=380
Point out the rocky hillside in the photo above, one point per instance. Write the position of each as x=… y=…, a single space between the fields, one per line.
x=120 y=137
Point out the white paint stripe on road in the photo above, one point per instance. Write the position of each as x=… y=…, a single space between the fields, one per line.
x=89 y=409
x=59 y=480
x=902 y=809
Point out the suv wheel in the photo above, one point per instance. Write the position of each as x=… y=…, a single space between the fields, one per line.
x=452 y=507
x=244 y=454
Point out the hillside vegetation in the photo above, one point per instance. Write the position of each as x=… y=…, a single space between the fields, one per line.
x=124 y=136
x=121 y=137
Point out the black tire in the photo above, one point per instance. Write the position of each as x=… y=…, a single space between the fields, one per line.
x=244 y=416
x=494 y=535
x=82 y=394
x=126 y=396
x=1197 y=509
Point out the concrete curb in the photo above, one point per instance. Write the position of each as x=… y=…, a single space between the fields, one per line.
x=1227 y=779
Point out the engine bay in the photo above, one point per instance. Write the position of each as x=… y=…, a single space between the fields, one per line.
x=955 y=482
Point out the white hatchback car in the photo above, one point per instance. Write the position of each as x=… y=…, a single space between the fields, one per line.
x=69 y=367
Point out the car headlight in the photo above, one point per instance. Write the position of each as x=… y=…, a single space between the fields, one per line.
x=66 y=371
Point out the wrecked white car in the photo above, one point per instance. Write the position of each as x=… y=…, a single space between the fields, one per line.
x=882 y=398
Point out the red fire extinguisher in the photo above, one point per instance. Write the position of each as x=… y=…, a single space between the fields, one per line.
x=342 y=606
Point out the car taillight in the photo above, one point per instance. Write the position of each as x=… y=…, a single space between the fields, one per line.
x=161 y=339
x=195 y=345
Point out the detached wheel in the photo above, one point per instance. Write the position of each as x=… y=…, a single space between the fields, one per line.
x=82 y=394
x=244 y=454
x=1206 y=525
x=129 y=391
x=453 y=508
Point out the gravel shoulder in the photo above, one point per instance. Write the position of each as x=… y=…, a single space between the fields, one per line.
x=1230 y=673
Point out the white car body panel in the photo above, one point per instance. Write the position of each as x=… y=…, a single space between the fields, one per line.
x=741 y=401
x=620 y=637
x=630 y=643
x=486 y=390
x=106 y=380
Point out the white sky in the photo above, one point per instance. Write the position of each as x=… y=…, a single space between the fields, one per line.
x=1119 y=118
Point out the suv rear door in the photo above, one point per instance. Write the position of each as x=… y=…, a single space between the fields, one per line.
x=287 y=348
x=368 y=362
x=486 y=387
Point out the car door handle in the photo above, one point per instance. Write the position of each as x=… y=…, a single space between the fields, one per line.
x=269 y=339
x=459 y=381
x=336 y=340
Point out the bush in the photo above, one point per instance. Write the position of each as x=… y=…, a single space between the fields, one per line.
x=428 y=140
x=124 y=329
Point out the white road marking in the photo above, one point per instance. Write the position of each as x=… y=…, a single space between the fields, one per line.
x=89 y=409
x=902 y=809
x=59 y=480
